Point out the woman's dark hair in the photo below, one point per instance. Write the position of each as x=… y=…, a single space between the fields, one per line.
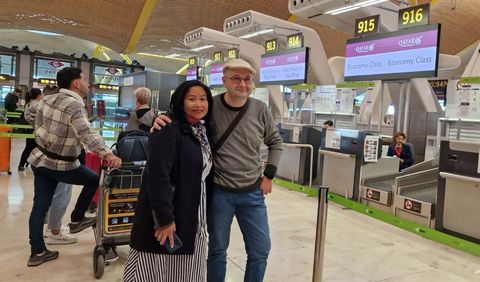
x=32 y=95
x=67 y=75
x=328 y=122
x=176 y=102
x=399 y=133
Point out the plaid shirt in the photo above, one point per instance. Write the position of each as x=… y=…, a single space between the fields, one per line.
x=61 y=125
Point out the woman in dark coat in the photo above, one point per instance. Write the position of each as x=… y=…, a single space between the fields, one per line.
x=401 y=150
x=172 y=198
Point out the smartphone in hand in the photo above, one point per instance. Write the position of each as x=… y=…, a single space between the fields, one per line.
x=177 y=244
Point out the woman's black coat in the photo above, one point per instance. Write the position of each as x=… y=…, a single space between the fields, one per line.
x=171 y=189
x=406 y=155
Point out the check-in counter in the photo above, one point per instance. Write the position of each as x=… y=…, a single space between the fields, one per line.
x=458 y=205
x=416 y=196
x=347 y=155
x=299 y=158
x=380 y=190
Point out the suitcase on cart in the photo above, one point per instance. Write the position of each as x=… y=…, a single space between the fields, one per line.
x=93 y=162
x=5 y=149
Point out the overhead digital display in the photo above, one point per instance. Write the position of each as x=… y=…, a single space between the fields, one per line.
x=108 y=74
x=284 y=68
x=402 y=54
x=216 y=73
x=48 y=68
x=192 y=73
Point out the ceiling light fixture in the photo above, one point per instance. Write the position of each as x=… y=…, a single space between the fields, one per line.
x=260 y=32
x=350 y=8
x=353 y=7
x=44 y=32
x=173 y=55
x=160 y=56
x=202 y=48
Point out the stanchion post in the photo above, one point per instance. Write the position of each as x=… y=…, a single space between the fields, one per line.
x=320 y=234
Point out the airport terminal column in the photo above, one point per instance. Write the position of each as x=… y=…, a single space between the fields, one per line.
x=407 y=106
x=381 y=113
x=399 y=111
x=320 y=234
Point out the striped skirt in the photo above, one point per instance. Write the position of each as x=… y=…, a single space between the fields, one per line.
x=146 y=267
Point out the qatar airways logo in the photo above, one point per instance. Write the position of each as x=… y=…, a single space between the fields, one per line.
x=409 y=42
x=365 y=48
x=270 y=62
x=292 y=59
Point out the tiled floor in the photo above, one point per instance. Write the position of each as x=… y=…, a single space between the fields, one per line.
x=358 y=248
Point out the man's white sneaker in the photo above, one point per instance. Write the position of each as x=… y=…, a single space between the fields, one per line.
x=59 y=239
x=48 y=232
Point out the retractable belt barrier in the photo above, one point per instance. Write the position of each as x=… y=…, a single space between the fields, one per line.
x=320 y=234
x=25 y=135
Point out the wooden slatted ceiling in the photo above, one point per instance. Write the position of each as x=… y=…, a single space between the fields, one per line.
x=460 y=26
x=107 y=22
x=111 y=22
x=333 y=40
x=171 y=20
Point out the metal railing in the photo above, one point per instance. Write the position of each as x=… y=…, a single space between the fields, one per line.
x=320 y=234
x=311 y=158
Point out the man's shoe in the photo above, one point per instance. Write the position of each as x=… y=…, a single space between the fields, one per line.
x=61 y=238
x=37 y=259
x=111 y=256
x=92 y=207
x=86 y=222
x=21 y=168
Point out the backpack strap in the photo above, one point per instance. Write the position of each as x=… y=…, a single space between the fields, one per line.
x=232 y=126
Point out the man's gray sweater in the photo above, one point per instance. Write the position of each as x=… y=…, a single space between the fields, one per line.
x=238 y=163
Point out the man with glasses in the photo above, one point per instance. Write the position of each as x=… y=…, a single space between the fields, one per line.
x=239 y=184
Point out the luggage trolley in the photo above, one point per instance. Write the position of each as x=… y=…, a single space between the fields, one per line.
x=118 y=193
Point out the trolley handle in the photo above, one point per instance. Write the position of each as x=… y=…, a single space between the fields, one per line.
x=124 y=165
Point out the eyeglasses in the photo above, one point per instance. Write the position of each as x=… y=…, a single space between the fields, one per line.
x=238 y=80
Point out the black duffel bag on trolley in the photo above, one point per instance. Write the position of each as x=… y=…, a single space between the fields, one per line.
x=132 y=148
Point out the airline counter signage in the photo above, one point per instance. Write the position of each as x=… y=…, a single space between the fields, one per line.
x=295 y=41
x=232 y=53
x=414 y=16
x=367 y=26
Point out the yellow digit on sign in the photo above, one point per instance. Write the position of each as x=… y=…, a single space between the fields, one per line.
x=293 y=41
x=360 y=27
x=371 y=25
x=419 y=15
x=405 y=17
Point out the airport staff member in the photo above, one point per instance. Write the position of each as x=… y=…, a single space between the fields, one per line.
x=61 y=127
x=239 y=186
x=328 y=124
x=11 y=100
x=401 y=150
